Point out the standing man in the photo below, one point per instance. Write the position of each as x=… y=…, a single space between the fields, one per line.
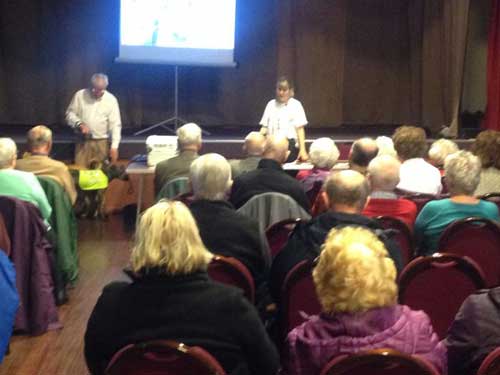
x=95 y=114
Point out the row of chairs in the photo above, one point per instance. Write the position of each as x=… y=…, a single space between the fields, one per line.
x=170 y=357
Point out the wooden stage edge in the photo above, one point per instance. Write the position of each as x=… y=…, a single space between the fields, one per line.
x=222 y=139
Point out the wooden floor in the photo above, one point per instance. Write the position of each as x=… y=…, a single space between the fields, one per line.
x=104 y=251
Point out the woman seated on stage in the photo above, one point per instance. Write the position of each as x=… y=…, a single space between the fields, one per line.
x=171 y=297
x=285 y=116
x=356 y=287
x=323 y=154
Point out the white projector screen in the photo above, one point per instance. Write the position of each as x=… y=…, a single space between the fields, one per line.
x=178 y=32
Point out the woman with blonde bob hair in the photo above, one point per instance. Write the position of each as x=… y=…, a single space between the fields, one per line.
x=356 y=286
x=171 y=297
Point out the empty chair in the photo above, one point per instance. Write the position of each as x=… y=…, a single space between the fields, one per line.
x=231 y=271
x=478 y=239
x=277 y=234
x=162 y=357
x=173 y=188
x=438 y=285
x=298 y=299
x=491 y=364
x=271 y=208
x=379 y=361
x=403 y=237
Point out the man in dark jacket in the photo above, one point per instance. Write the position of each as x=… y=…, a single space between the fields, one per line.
x=347 y=193
x=474 y=333
x=269 y=177
x=223 y=230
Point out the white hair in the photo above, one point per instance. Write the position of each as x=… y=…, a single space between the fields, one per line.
x=440 y=149
x=463 y=171
x=98 y=76
x=385 y=146
x=324 y=153
x=210 y=177
x=189 y=134
x=8 y=152
x=383 y=172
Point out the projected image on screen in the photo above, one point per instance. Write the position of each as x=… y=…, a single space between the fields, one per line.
x=187 y=31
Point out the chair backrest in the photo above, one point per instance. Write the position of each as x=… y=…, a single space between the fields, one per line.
x=438 y=285
x=491 y=364
x=231 y=271
x=271 y=208
x=174 y=188
x=478 y=239
x=312 y=194
x=403 y=237
x=378 y=362
x=492 y=197
x=298 y=297
x=419 y=199
x=277 y=234
x=162 y=357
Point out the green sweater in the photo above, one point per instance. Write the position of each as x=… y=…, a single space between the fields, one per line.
x=438 y=214
x=24 y=186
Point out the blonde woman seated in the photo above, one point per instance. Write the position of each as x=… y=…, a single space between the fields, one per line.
x=172 y=298
x=323 y=154
x=356 y=286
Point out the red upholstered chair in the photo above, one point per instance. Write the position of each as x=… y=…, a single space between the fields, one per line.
x=277 y=234
x=314 y=192
x=478 y=239
x=491 y=364
x=438 y=285
x=298 y=297
x=379 y=362
x=231 y=271
x=403 y=236
x=162 y=357
x=420 y=200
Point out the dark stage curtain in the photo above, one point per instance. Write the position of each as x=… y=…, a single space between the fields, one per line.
x=354 y=61
x=492 y=118
x=384 y=61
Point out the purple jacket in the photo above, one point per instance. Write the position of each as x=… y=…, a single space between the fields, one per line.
x=310 y=346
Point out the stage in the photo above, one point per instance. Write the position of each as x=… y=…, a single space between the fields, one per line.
x=226 y=140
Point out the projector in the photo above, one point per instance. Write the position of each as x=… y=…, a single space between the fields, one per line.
x=160 y=147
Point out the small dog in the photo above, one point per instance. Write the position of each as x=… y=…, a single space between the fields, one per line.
x=90 y=200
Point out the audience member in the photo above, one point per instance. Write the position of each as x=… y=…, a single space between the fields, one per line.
x=39 y=162
x=487 y=148
x=223 y=230
x=438 y=152
x=269 y=177
x=416 y=175
x=323 y=154
x=347 y=193
x=189 y=140
x=19 y=184
x=253 y=148
x=356 y=286
x=362 y=152
x=383 y=175
x=385 y=146
x=462 y=172
x=171 y=297
x=10 y=301
x=474 y=333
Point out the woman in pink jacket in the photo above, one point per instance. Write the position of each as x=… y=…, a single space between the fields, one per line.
x=355 y=283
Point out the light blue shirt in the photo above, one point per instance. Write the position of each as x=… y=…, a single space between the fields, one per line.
x=438 y=214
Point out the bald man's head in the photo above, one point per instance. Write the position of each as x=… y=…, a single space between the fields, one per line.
x=276 y=148
x=347 y=189
x=383 y=173
x=255 y=143
x=362 y=152
x=40 y=139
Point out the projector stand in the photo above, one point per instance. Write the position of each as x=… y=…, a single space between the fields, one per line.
x=175 y=119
